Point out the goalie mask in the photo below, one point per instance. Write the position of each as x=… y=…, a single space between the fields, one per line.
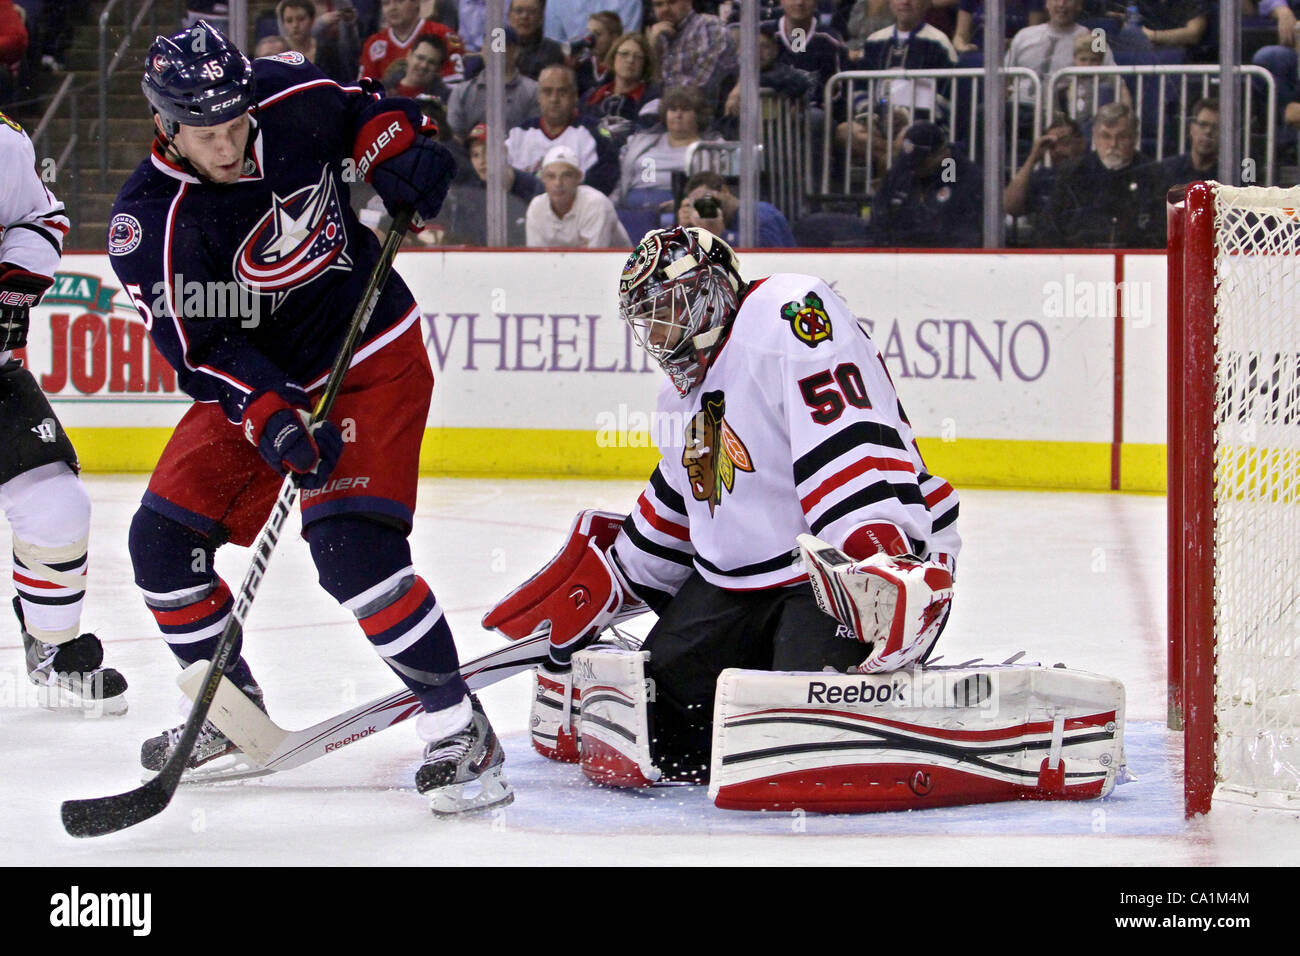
x=679 y=293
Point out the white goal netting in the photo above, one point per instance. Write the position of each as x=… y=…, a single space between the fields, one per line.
x=1257 y=494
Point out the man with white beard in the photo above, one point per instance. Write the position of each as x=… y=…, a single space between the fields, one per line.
x=1113 y=197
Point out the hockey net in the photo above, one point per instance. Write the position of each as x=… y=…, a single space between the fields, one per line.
x=1234 y=492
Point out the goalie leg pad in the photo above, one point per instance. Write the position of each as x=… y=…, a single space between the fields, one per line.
x=934 y=737
x=555 y=718
x=615 y=716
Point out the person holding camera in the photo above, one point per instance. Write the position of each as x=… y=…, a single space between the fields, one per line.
x=709 y=203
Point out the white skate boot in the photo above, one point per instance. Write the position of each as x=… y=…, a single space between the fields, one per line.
x=461 y=772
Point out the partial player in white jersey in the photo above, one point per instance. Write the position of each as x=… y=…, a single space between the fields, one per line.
x=779 y=421
x=42 y=497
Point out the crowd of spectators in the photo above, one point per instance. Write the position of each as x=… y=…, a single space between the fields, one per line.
x=606 y=101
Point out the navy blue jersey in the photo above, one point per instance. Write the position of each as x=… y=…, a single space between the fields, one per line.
x=250 y=286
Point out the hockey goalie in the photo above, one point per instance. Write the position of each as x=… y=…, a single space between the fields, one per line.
x=800 y=560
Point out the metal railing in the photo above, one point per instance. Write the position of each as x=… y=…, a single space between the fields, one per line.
x=69 y=159
x=108 y=65
x=941 y=94
x=1092 y=78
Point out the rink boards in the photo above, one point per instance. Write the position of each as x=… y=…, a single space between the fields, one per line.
x=1016 y=369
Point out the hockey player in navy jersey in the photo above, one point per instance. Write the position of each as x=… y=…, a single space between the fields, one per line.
x=46 y=504
x=243 y=203
x=782 y=422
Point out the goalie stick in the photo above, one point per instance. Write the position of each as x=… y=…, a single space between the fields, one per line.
x=273 y=748
x=100 y=815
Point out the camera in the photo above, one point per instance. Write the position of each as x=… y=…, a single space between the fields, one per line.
x=706 y=207
x=582 y=44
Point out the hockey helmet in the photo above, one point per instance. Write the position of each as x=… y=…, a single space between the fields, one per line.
x=197 y=78
x=679 y=293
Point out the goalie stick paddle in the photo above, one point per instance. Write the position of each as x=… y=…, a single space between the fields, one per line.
x=273 y=748
x=100 y=815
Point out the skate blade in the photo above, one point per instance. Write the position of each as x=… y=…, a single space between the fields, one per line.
x=58 y=696
x=475 y=796
x=227 y=767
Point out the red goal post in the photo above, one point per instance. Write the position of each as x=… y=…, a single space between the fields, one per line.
x=1234 y=492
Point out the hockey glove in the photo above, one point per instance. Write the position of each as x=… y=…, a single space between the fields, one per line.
x=405 y=168
x=280 y=432
x=19 y=291
x=895 y=604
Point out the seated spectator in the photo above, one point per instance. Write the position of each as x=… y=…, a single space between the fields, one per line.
x=382 y=50
x=270 y=46
x=911 y=44
x=571 y=214
x=422 y=70
x=568 y=21
x=708 y=202
x=1111 y=198
x=464 y=215
x=932 y=197
x=649 y=159
x=773 y=74
x=1062 y=145
x=621 y=104
x=819 y=55
x=589 y=53
x=1280 y=59
x=1201 y=161
x=968 y=35
x=536 y=50
x=326 y=44
x=558 y=125
x=1051 y=46
x=694 y=49
x=468 y=104
x=1082 y=98
x=1168 y=30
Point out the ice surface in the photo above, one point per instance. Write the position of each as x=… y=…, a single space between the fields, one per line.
x=1076 y=578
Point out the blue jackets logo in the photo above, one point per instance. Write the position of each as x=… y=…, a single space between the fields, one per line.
x=298 y=240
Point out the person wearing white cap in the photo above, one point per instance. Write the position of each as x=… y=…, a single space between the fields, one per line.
x=570 y=214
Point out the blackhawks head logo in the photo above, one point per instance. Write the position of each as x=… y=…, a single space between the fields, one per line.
x=808 y=320
x=713 y=452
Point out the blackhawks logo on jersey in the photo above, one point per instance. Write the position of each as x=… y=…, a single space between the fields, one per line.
x=808 y=320
x=713 y=452
x=10 y=123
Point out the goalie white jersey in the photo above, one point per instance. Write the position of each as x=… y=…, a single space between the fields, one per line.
x=32 y=221
x=795 y=429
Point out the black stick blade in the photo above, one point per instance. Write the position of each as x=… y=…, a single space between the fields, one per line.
x=100 y=815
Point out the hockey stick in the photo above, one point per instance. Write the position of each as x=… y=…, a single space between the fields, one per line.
x=99 y=815
x=273 y=748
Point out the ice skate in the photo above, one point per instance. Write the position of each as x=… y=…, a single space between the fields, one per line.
x=215 y=755
x=462 y=773
x=72 y=674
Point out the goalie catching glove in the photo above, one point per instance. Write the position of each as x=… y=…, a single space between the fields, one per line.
x=894 y=604
x=578 y=593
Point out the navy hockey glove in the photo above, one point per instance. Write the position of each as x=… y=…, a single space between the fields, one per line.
x=405 y=168
x=280 y=432
x=19 y=291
